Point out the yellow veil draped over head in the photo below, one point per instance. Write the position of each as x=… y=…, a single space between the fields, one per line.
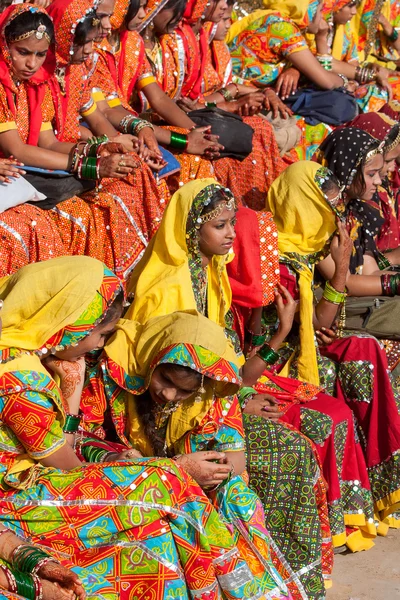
x=185 y=338
x=305 y=222
x=294 y=10
x=161 y=282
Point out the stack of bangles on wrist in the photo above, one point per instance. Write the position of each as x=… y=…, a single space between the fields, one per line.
x=72 y=423
x=255 y=340
x=333 y=296
x=85 y=158
x=22 y=574
x=383 y=262
x=179 y=141
x=268 y=354
x=244 y=395
x=227 y=95
x=325 y=60
x=133 y=125
x=390 y=284
x=365 y=74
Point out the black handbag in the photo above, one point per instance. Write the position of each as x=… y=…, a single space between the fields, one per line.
x=333 y=107
x=235 y=136
x=57 y=186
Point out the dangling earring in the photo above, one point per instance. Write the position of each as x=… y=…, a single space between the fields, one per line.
x=198 y=398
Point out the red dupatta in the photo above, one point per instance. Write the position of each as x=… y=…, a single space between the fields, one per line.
x=35 y=87
x=66 y=15
x=196 y=50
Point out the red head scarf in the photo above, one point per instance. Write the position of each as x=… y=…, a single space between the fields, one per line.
x=36 y=86
x=153 y=7
x=66 y=15
x=194 y=10
x=380 y=126
x=119 y=14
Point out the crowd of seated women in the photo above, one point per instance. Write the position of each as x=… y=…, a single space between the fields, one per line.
x=199 y=283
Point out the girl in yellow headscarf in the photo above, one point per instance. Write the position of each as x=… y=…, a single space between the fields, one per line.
x=55 y=486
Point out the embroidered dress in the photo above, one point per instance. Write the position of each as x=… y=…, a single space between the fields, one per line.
x=186 y=427
x=27 y=233
x=120 y=76
x=177 y=58
x=260 y=47
x=149 y=529
x=176 y=264
x=127 y=211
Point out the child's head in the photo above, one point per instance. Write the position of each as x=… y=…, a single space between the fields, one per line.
x=225 y=23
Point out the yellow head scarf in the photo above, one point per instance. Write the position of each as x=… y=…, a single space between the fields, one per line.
x=162 y=282
x=294 y=10
x=47 y=304
x=305 y=222
x=185 y=338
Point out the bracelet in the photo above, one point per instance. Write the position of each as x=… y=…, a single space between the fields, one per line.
x=12 y=584
x=237 y=89
x=27 y=585
x=394 y=36
x=88 y=167
x=383 y=262
x=179 y=141
x=325 y=61
x=210 y=104
x=94 y=143
x=72 y=423
x=25 y=558
x=344 y=79
x=128 y=124
x=244 y=395
x=176 y=456
x=333 y=296
x=268 y=354
x=225 y=93
x=142 y=125
x=365 y=74
x=390 y=285
x=255 y=339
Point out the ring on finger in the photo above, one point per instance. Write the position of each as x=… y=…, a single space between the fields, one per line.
x=121 y=163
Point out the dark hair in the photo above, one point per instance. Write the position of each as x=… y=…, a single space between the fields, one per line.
x=83 y=29
x=178 y=8
x=114 y=309
x=28 y=21
x=391 y=137
x=146 y=406
x=230 y=2
x=133 y=10
x=330 y=184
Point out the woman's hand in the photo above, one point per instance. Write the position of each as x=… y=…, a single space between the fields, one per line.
x=117 y=165
x=62 y=583
x=263 y=405
x=273 y=103
x=72 y=378
x=341 y=249
x=125 y=455
x=9 y=167
x=208 y=468
x=187 y=105
x=287 y=83
x=247 y=105
x=382 y=75
x=286 y=307
x=127 y=143
x=204 y=143
x=325 y=336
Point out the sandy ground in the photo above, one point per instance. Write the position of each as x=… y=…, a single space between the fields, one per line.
x=372 y=575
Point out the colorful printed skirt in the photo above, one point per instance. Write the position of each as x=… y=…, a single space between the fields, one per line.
x=284 y=472
x=145 y=527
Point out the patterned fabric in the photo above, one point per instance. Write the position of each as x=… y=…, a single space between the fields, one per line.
x=259 y=54
x=250 y=179
x=220 y=430
x=149 y=514
x=284 y=473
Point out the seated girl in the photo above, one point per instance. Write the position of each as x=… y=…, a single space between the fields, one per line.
x=150 y=528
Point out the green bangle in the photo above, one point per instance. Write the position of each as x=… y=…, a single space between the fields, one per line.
x=394 y=36
x=178 y=141
x=383 y=262
x=25 y=585
x=268 y=354
x=93 y=454
x=89 y=168
x=333 y=296
x=210 y=104
x=244 y=395
x=72 y=423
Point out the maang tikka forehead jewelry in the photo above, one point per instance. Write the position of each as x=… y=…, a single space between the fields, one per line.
x=39 y=33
